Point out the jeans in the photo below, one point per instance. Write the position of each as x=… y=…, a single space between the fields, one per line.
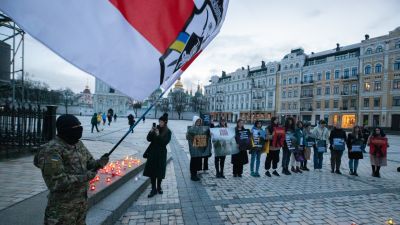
x=255 y=156
x=318 y=158
x=336 y=159
x=286 y=158
x=353 y=164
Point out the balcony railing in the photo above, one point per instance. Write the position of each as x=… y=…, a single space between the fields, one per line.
x=308 y=82
x=307 y=109
x=259 y=86
x=307 y=96
x=350 y=77
x=257 y=97
x=349 y=93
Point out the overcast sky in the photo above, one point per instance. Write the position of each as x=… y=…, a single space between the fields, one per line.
x=254 y=30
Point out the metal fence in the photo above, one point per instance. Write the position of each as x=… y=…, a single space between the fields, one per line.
x=22 y=126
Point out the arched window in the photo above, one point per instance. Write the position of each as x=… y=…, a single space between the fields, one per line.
x=397 y=64
x=290 y=80
x=378 y=68
x=284 y=81
x=285 y=67
x=295 y=80
x=367 y=69
x=297 y=65
x=305 y=78
x=379 y=49
x=291 y=66
x=368 y=51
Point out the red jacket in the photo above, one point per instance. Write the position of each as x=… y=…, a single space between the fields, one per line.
x=378 y=146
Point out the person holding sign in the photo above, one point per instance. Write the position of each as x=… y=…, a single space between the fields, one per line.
x=199 y=140
x=219 y=161
x=308 y=145
x=288 y=146
x=321 y=134
x=355 y=141
x=258 y=140
x=378 y=144
x=298 y=154
x=337 y=140
x=242 y=137
x=274 y=132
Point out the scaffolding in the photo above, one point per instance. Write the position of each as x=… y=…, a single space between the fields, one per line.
x=14 y=36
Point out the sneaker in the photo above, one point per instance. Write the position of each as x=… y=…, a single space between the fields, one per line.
x=355 y=174
x=267 y=174
x=275 y=173
x=239 y=175
x=152 y=193
x=306 y=169
x=218 y=175
x=338 y=172
x=332 y=171
x=298 y=170
x=221 y=175
x=293 y=169
x=351 y=172
x=252 y=174
x=256 y=174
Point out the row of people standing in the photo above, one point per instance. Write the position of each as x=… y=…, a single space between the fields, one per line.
x=298 y=142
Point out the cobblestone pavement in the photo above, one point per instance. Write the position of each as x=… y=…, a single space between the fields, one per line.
x=20 y=179
x=308 y=198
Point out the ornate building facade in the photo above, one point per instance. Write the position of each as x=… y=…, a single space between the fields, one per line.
x=354 y=84
x=106 y=97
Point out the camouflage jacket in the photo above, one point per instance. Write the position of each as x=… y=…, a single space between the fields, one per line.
x=64 y=169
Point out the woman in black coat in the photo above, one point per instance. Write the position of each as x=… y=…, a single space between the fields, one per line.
x=355 y=142
x=243 y=140
x=156 y=154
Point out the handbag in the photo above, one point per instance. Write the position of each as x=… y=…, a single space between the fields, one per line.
x=266 y=147
x=321 y=146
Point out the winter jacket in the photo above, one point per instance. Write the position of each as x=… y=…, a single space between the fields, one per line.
x=337 y=135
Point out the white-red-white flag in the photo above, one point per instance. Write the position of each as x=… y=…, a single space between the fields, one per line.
x=133 y=45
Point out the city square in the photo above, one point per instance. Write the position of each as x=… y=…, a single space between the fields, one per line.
x=197 y=112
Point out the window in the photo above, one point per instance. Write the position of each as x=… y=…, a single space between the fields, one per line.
x=367 y=70
x=397 y=45
x=297 y=65
x=336 y=90
x=346 y=73
x=284 y=81
x=368 y=51
x=396 y=84
x=335 y=104
x=270 y=94
x=319 y=76
x=296 y=80
x=327 y=75
x=354 y=71
x=305 y=78
x=295 y=93
x=345 y=103
x=378 y=86
x=283 y=105
x=353 y=103
x=318 y=105
x=366 y=102
x=311 y=78
x=367 y=86
x=289 y=94
x=337 y=73
x=379 y=49
x=290 y=80
x=284 y=94
x=326 y=105
x=318 y=91
x=327 y=90
x=242 y=86
x=377 y=102
x=354 y=88
x=346 y=89
x=378 y=68
x=396 y=101
x=291 y=66
x=271 y=70
x=285 y=67
x=397 y=64
x=269 y=104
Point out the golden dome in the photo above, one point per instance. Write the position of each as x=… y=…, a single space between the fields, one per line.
x=178 y=84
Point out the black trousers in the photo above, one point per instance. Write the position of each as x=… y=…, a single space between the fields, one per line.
x=336 y=159
x=154 y=181
x=204 y=165
x=219 y=163
x=195 y=165
x=272 y=157
x=95 y=125
x=238 y=169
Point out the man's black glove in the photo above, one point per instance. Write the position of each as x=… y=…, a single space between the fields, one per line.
x=103 y=160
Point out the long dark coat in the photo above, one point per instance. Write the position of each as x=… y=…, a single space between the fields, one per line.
x=241 y=157
x=352 y=140
x=157 y=154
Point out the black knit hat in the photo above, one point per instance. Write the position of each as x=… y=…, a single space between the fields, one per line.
x=66 y=121
x=164 y=117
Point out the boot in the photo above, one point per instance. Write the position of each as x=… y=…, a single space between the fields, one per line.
x=275 y=173
x=298 y=170
x=152 y=193
x=351 y=172
x=293 y=169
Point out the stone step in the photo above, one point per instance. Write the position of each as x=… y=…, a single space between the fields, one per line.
x=106 y=206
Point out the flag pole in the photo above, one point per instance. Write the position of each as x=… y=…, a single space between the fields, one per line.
x=137 y=122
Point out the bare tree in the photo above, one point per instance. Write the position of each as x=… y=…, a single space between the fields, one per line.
x=165 y=105
x=179 y=102
x=135 y=105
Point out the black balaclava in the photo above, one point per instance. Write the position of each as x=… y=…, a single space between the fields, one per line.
x=65 y=130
